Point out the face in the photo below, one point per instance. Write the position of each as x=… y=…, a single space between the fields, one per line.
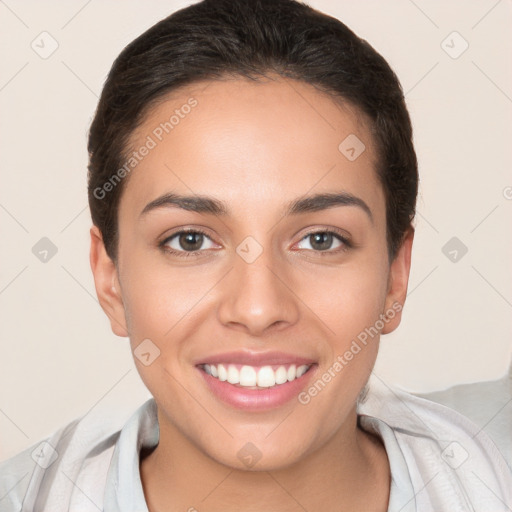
x=252 y=264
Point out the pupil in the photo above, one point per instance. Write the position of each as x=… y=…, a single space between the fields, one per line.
x=191 y=241
x=321 y=241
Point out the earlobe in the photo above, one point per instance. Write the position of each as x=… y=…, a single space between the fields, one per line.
x=106 y=283
x=397 y=283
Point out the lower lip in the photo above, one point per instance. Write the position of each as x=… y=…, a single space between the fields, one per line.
x=256 y=399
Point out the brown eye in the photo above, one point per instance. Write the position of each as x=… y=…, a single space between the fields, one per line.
x=191 y=241
x=323 y=241
x=187 y=241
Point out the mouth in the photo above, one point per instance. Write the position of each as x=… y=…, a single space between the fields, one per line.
x=254 y=377
x=254 y=382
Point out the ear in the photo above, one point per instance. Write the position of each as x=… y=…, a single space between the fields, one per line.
x=107 y=285
x=397 y=283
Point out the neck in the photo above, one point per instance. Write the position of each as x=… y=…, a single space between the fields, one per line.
x=349 y=472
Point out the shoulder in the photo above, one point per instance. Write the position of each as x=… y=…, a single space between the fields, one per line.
x=77 y=456
x=24 y=472
x=449 y=460
x=487 y=404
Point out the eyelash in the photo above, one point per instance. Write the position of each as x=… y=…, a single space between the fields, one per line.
x=347 y=244
x=181 y=254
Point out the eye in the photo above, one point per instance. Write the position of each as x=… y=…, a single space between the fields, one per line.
x=187 y=241
x=324 y=241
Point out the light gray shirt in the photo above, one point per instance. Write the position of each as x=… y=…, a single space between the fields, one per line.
x=439 y=461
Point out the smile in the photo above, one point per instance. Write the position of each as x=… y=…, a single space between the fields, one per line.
x=254 y=377
x=253 y=382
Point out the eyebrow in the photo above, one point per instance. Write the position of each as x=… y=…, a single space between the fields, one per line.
x=210 y=205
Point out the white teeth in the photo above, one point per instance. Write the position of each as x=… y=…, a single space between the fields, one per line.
x=292 y=372
x=301 y=370
x=248 y=376
x=281 y=375
x=266 y=377
x=233 y=375
x=221 y=370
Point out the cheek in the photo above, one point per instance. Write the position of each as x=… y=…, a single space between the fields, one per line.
x=168 y=306
x=158 y=303
x=350 y=307
x=349 y=298
x=157 y=295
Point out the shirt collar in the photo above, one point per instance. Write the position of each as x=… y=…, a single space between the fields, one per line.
x=401 y=493
x=124 y=491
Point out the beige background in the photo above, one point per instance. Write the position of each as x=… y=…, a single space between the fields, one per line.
x=59 y=358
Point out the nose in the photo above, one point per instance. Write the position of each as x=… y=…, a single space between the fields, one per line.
x=258 y=297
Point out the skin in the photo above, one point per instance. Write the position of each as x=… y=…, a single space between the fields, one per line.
x=256 y=146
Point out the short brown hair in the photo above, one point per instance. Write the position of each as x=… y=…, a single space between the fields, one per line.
x=249 y=38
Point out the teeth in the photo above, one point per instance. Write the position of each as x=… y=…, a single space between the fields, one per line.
x=281 y=375
x=223 y=373
x=248 y=376
x=233 y=375
x=292 y=372
x=301 y=370
x=266 y=377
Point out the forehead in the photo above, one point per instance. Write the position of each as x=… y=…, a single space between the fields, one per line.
x=252 y=143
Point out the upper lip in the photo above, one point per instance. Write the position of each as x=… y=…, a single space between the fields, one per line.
x=255 y=358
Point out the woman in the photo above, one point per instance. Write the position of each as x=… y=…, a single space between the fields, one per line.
x=252 y=185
